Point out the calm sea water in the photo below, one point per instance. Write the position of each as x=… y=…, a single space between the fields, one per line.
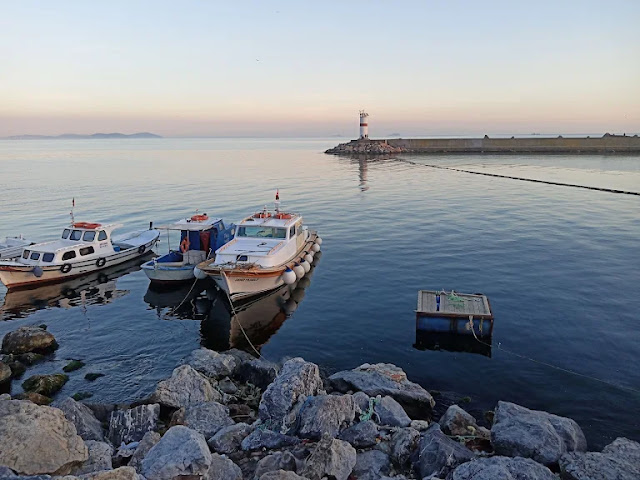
x=560 y=266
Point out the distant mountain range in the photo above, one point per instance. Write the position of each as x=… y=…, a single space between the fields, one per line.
x=75 y=136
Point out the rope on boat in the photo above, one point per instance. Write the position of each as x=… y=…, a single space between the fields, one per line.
x=173 y=310
x=548 y=182
x=555 y=367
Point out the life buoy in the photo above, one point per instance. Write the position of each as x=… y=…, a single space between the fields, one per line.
x=66 y=268
x=199 y=218
x=100 y=262
x=262 y=215
x=141 y=249
x=87 y=225
x=184 y=245
x=283 y=216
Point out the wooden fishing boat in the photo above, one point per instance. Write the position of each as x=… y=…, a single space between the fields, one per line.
x=83 y=248
x=269 y=249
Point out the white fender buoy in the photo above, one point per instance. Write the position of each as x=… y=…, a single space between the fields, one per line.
x=318 y=240
x=306 y=265
x=199 y=274
x=299 y=271
x=309 y=258
x=315 y=247
x=289 y=276
x=37 y=271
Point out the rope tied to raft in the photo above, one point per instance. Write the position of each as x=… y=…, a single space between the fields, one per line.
x=366 y=416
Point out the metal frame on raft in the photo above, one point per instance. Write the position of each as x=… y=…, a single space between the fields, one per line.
x=459 y=313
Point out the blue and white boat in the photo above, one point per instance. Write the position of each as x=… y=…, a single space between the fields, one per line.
x=200 y=236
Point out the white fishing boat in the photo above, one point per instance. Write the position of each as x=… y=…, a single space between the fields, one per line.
x=199 y=236
x=11 y=247
x=83 y=248
x=269 y=249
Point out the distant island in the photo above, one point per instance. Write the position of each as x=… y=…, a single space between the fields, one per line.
x=75 y=136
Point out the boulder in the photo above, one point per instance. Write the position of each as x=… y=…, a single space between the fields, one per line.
x=361 y=435
x=147 y=443
x=331 y=458
x=456 y=421
x=390 y=412
x=325 y=414
x=371 y=465
x=385 y=379
x=223 y=468
x=28 y=339
x=6 y=472
x=494 y=468
x=99 y=458
x=263 y=438
x=126 y=426
x=45 y=385
x=403 y=443
x=185 y=387
x=122 y=473
x=420 y=425
x=228 y=439
x=87 y=425
x=227 y=386
x=36 y=439
x=258 y=372
x=181 y=451
x=620 y=460
x=211 y=364
x=281 y=475
x=33 y=397
x=274 y=462
x=102 y=411
x=438 y=454
x=240 y=356
x=296 y=379
x=5 y=373
x=207 y=418
x=520 y=432
x=362 y=401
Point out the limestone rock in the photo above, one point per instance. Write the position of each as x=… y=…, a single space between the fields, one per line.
x=211 y=364
x=371 y=465
x=331 y=458
x=438 y=454
x=147 y=443
x=361 y=435
x=28 y=339
x=420 y=425
x=620 y=460
x=240 y=356
x=362 y=401
x=207 y=418
x=181 y=451
x=223 y=468
x=45 y=385
x=541 y=436
x=36 y=439
x=87 y=425
x=281 y=475
x=325 y=414
x=184 y=387
x=494 y=468
x=131 y=425
x=5 y=372
x=296 y=379
x=403 y=443
x=274 y=462
x=99 y=458
x=122 y=473
x=391 y=413
x=258 y=372
x=263 y=438
x=33 y=397
x=386 y=379
x=228 y=439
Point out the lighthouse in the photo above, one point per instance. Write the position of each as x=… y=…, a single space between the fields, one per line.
x=364 y=126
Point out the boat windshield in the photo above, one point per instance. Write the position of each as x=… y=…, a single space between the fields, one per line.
x=262 y=232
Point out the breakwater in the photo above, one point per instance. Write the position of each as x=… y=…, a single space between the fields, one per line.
x=607 y=144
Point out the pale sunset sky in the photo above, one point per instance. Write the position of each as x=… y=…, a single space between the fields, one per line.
x=287 y=68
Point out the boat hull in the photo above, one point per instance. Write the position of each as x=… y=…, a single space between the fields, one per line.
x=15 y=276
x=158 y=273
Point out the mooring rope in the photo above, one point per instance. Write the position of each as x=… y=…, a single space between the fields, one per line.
x=548 y=182
x=173 y=310
x=565 y=370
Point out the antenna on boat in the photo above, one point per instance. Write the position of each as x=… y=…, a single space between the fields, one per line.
x=73 y=204
x=277 y=202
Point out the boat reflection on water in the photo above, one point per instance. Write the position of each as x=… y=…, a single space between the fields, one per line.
x=452 y=342
x=188 y=301
x=97 y=288
x=252 y=323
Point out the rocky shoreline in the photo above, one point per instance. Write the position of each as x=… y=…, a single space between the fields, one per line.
x=365 y=146
x=232 y=416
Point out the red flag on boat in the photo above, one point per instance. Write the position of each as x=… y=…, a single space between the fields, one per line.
x=73 y=202
x=278 y=194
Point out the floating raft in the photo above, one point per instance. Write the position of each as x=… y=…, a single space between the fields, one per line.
x=458 y=313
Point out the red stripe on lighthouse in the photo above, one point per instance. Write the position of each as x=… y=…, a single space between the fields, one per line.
x=364 y=125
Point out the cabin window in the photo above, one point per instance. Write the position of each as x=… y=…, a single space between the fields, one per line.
x=35 y=255
x=242 y=258
x=47 y=257
x=262 y=232
x=26 y=253
x=102 y=235
x=86 y=251
x=68 y=255
x=65 y=233
x=89 y=236
x=76 y=235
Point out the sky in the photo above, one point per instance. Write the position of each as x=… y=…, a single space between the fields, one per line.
x=295 y=68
